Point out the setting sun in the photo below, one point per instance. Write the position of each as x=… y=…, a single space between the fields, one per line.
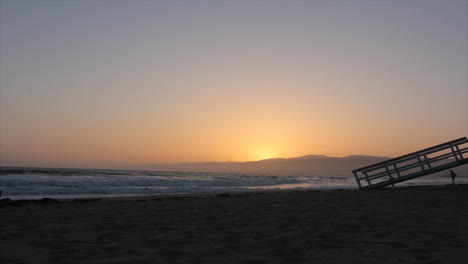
x=264 y=154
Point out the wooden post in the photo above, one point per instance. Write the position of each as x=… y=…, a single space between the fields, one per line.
x=420 y=162
x=367 y=178
x=454 y=153
x=396 y=170
x=388 y=172
x=427 y=161
x=459 y=152
x=357 y=180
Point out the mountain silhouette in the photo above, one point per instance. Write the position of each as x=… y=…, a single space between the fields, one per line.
x=310 y=165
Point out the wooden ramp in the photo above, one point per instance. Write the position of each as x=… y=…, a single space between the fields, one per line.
x=420 y=163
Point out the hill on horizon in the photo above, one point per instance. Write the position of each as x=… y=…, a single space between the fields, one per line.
x=309 y=165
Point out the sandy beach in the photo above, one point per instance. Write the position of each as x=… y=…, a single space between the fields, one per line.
x=396 y=225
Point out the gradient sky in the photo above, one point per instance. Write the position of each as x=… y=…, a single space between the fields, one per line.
x=115 y=83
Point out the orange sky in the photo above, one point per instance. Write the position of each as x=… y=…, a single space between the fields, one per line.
x=155 y=82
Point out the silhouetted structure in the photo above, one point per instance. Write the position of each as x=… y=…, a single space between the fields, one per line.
x=413 y=165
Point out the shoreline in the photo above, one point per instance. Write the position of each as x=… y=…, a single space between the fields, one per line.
x=220 y=194
x=216 y=194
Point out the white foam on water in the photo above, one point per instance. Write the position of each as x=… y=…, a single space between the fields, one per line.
x=27 y=183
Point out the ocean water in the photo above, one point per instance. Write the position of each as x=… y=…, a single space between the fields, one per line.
x=37 y=183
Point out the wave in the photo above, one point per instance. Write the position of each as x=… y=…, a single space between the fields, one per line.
x=35 y=183
x=40 y=182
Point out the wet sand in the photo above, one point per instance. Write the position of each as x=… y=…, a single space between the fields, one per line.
x=397 y=225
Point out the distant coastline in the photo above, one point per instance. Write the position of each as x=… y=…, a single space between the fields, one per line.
x=310 y=165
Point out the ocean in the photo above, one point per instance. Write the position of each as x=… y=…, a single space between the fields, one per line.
x=36 y=183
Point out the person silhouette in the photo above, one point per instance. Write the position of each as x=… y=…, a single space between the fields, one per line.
x=453 y=175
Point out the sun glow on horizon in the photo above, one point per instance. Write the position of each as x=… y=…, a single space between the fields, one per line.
x=264 y=154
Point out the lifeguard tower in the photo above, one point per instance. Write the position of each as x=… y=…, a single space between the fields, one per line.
x=417 y=164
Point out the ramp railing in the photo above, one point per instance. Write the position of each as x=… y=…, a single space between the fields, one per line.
x=420 y=163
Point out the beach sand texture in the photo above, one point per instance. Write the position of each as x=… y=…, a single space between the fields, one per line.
x=399 y=225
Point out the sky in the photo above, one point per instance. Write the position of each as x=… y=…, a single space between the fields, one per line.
x=108 y=84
